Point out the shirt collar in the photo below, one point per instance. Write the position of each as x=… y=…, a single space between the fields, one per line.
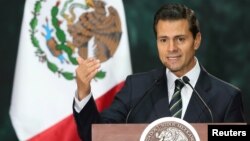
x=193 y=75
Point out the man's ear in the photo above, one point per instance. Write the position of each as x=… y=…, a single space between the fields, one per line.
x=197 y=41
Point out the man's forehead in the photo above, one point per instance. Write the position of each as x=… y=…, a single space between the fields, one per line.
x=173 y=28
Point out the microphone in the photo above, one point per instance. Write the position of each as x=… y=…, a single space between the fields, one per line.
x=186 y=80
x=144 y=95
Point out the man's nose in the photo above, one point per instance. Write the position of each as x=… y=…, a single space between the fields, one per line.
x=172 y=46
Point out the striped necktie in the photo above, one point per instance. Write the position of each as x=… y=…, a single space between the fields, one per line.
x=176 y=102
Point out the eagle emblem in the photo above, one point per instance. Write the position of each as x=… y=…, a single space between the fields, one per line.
x=89 y=28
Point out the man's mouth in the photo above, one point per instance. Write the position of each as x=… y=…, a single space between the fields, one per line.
x=173 y=57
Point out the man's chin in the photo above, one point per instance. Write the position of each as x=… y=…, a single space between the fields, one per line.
x=174 y=68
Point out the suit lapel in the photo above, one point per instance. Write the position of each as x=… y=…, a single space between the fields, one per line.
x=196 y=110
x=160 y=97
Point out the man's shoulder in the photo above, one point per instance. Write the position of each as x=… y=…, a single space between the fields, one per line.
x=153 y=73
x=147 y=77
x=223 y=85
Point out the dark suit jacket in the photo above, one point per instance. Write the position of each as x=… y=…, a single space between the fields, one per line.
x=223 y=99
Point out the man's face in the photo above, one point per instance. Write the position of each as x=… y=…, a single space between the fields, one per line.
x=176 y=45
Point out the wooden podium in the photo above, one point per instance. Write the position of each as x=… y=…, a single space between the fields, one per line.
x=132 y=132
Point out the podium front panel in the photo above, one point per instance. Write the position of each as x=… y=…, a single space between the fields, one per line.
x=132 y=132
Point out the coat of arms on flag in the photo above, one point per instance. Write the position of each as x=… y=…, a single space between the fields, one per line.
x=94 y=31
x=54 y=33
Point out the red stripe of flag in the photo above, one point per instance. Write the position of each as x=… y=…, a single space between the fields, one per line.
x=66 y=129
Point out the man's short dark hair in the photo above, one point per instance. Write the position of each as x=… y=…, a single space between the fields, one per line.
x=177 y=12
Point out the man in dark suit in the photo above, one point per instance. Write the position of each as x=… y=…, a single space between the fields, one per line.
x=150 y=95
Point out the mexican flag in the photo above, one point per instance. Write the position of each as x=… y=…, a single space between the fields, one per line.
x=54 y=33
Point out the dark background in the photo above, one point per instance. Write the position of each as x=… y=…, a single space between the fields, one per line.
x=224 y=51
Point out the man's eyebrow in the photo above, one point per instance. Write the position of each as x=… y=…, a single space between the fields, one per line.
x=180 y=36
x=177 y=36
x=163 y=37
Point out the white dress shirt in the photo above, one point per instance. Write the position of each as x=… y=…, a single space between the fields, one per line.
x=80 y=104
x=186 y=91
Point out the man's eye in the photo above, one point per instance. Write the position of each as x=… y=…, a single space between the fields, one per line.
x=181 y=39
x=163 y=40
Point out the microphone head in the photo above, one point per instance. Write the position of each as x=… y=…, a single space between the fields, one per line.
x=185 y=79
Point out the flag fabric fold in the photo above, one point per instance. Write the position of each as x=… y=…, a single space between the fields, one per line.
x=54 y=33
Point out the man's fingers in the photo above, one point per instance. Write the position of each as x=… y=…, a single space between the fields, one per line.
x=91 y=62
x=80 y=60
x=88 y=68
x=92 y=75
x=93 y=70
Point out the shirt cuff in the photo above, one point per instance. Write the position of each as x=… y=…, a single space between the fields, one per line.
x=80 y=104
